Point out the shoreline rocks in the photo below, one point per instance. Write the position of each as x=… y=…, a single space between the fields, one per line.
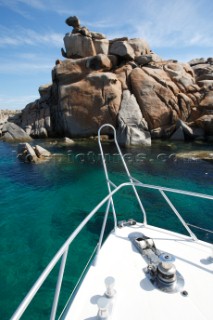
x=195 y=156
x=10 y=132
x=30 y=154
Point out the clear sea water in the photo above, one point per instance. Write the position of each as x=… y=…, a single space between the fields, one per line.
x=40 y=205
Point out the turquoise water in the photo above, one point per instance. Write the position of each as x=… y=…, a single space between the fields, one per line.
x=40 y=205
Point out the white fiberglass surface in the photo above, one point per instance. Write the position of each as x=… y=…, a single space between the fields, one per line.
x=136 y=298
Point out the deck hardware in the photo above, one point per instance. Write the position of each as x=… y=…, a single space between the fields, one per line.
x=166 y=269
x=184 y=293
x=121 y=223
x=103 y=313
x=131 y=222
x=110 y=283
x=160 y=269
x=124 y=223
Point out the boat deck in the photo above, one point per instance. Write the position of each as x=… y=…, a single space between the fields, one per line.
x=136 y=298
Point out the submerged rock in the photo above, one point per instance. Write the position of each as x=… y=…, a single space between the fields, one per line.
x=67 y=142
x=41 y=152
x=36 y=154
x=196 y=155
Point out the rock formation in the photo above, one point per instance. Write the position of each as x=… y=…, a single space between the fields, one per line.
x=121 y=82
x=132 y=127
x=36 y=154
x=10 y=132
x=195 y=155
x=10 y=115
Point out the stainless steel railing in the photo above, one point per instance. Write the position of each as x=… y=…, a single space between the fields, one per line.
x=63 y=251
x=108 y=181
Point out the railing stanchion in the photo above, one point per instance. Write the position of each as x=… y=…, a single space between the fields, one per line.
x=58 y=285
x=178 y=215
x=125 y=167
x=102 y=231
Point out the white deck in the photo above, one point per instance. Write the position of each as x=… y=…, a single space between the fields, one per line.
x=136 y=298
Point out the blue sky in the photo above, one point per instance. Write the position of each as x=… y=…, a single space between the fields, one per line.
x=32 y=31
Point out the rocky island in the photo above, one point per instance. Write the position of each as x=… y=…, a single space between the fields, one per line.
x=121 y=82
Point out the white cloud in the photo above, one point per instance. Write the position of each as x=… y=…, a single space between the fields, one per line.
x=163 y=23
x=15 y=5
x=23 y=7
x=49 y=38
x=18 y=102
x=29 y=37
x=177 y=23
x=106 y=23
x=37 y=4
x=13 y=67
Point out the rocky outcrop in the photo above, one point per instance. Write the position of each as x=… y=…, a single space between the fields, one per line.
x=10 y=132
x=82 y=43
x=36 y=115
x=10 y=129
x=10 y=116
x=91 y=102
x=195 y=156
x=122 y=82
x=129 y=49
x=36 y=154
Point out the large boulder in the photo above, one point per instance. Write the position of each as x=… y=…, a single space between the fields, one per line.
x=182 y=75
x=207 y=100
x=129 y=49
x=101 y=62
x=78 y=46
x=147 y=59
x=202 y=117
x=123 y=75
x=81 y=42
x=140 y=46
x=205 y=122
x=184 y=132
x=89 y=103
x=41 y=152
x=27 y=153
x=36 y=119
x=70 y=71
x=122 y=49
x=132 y=127
x=155 y=94
x=203 y=68
x=73 y=70
x=101 y=45
x=165 y=92
x=12 y=133
x=36 y=154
